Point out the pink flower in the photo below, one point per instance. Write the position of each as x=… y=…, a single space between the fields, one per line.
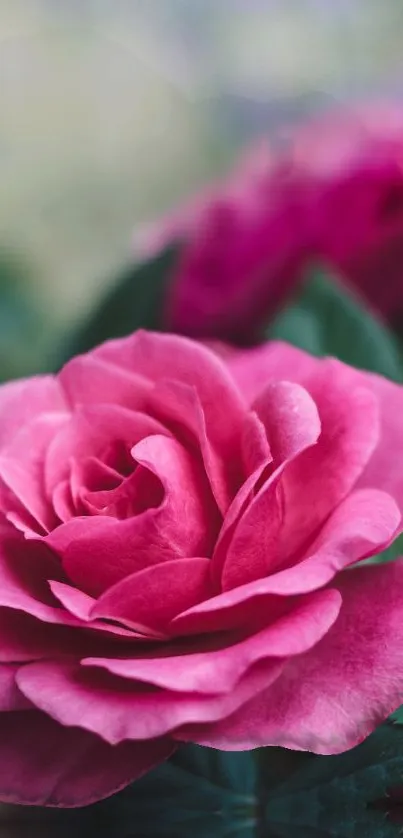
x=242 y=245
x=353 y=164
x=335 y=194
x=177 y=534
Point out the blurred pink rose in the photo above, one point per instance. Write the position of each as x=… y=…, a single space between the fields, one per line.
x=352 y=163
x=335 y=194
x=177 y=530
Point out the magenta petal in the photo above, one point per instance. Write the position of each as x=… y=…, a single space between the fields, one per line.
x=179 y=405
x=79 y=605
x=290 y=417
x=361 y=526
x=331 y=698
x=156 y=594
x=292 y=425
x=25 y=568
x=170 y=357
x=99 y=551
x=88 y=433
x=21 y=401
x=89 y=380
x=321 y=477
x=253 y=369
x=10 y=696
x=45 y=764
x=236 y=509
x=117 y=709
x=218 y=670
x=77 y=602
x=255 y=445
x=253 y=549
x=188 y=377
x=22 y=465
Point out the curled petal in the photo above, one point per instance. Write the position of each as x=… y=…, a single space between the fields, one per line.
x=333 y=697
x=217 y=670
x=45 y=764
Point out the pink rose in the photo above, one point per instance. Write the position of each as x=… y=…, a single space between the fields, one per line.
x=177 y=535
x=334 y=193
x=352 y=161
x=242 y=246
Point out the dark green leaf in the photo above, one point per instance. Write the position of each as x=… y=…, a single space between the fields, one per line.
x=325 y=319
x=338 y=795
x=135 y=301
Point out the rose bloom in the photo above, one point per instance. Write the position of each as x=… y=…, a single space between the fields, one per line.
x=180 y=529
x=333 y=193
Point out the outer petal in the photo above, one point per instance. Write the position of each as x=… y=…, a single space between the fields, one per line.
x=25 y=568
x=117 y=710
x=158 y=357
x=253 y=369
x=21 y=401
x=330 y=699
x=217 y=670
x=88 y=379
x=45 y=764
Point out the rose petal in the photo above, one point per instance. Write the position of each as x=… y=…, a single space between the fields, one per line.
x=251 y=369
x=169 y=358
x=179 y=405
x=333 y=697
x=22 y=468
x=79 y=605
x=25 y=568
x=89 y=432
x=255 y=445
x=98 y=552
x=21 y=401
x=90 y=380
x=361 y=526
x=292 y=424
x=45 y=764
x=321 y=477
x=253 y=549
x=10 y=696
x=290 y=417
x=116 y=710
x=25 y=638
x=218 y=670
x=156 y=594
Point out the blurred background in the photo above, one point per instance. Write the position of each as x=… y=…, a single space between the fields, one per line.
x=114 y=110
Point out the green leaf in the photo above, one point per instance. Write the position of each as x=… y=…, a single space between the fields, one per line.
x=271 y=792
x=340 y=795
x=326 y=319
x=135 y=301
